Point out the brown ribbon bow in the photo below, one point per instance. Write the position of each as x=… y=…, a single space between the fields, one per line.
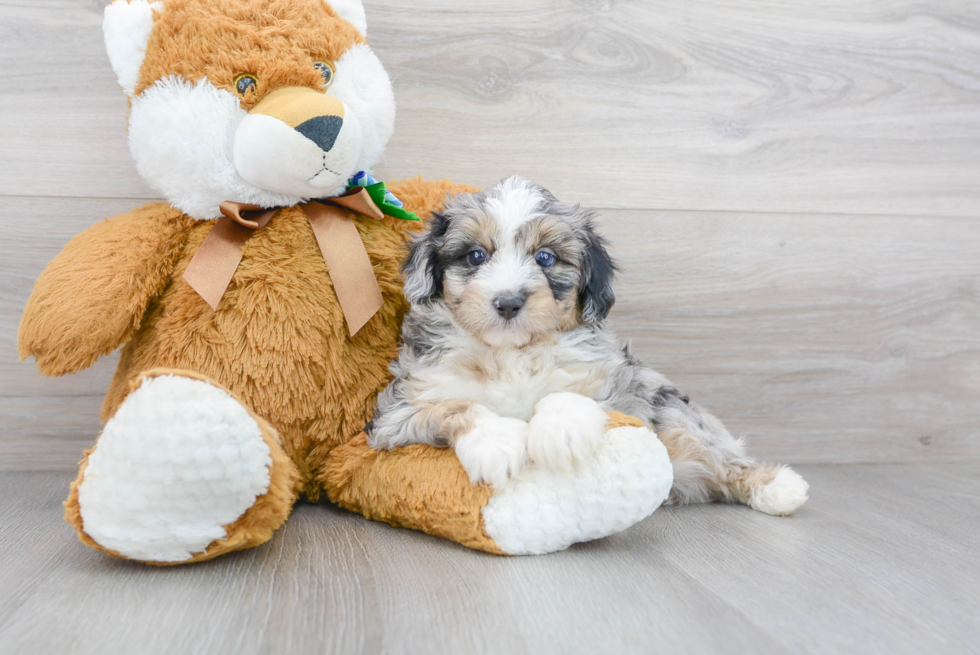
x=212 y=267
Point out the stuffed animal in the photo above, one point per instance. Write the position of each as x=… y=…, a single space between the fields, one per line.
x=258 y=307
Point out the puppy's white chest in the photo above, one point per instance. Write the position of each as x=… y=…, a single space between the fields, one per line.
x=509 y=383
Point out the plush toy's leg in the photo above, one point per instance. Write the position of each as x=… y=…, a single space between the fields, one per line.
x=182 y=472
x=539 y=511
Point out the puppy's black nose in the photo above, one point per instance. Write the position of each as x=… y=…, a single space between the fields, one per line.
x=322 y=130
x=508 y=306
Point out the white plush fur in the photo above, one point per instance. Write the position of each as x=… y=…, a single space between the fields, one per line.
x=270 y=154
x=566 y=429
x=351 y=11
x=363 y=85
x=543 y=510
x=494 y=450
x=126 y=27
x=783 y=496
x=179 y=460
x=186 y=142
x=181 y=135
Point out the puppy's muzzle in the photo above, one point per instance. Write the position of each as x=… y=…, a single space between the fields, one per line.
x=508 y=306
x=316 y=116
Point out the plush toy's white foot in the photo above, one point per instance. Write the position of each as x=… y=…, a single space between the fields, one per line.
x=566 y=429
x=783 y=495
x=494 y=450
x=179 y=460
x=544 y=510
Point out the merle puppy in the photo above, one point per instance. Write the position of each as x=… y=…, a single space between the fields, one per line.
x=506 y=358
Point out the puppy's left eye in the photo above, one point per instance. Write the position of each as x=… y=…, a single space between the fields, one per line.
x=545 y=258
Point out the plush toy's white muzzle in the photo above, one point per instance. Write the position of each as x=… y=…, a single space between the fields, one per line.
x=298 y=141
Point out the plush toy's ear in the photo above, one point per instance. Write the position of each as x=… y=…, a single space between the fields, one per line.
x=351 y=11
x=422 y=269
x=127 y=27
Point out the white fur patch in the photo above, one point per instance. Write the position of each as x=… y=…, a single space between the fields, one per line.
x=179 y=460
x=516 y=378
x=181 y=136
x=126 y=27
x=542 y=511
x=362 y=84
x=513 y=202
x=269 y=153
x=351 y=11
x=494 y=450
x=784 y=495
x=566 y=429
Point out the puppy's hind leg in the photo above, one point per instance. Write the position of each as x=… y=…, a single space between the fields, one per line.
x=711 y=465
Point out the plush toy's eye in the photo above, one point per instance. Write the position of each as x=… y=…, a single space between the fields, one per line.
x=476 y=257
x=325 y=70
x=244 y=82
x=545 y=258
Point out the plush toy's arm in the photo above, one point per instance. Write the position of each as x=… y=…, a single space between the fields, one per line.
x=427 y=489
x=91 y=297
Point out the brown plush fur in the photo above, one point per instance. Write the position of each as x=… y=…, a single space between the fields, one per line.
x=434 y=492
x=195 y=39
x=82 y=307
x=278 y=342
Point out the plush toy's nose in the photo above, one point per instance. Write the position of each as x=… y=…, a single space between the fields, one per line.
x=313 y=114
x=322 y=130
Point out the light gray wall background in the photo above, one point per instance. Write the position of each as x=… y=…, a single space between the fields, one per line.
x=792 y=188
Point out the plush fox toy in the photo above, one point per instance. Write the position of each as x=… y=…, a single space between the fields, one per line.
x=258 y=307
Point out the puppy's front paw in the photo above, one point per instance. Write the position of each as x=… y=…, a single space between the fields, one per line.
x=566 y=428
x=494 y=450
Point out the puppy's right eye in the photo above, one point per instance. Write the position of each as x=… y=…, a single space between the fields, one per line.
x=476 y=257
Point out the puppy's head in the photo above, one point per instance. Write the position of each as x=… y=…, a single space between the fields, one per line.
x=512 y=264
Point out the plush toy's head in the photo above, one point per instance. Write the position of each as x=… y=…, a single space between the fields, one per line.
x=268 y=102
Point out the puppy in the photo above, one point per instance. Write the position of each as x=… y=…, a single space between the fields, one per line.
x=505 y=356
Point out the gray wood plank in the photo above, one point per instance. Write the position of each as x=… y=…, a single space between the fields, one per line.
x=331 y=582
x=851 y=546
x=934 y=505
x=821 y=338
x=704 y=579
x=828 y=106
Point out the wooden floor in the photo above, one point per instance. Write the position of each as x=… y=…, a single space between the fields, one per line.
x=793 y=191
x=882 y=560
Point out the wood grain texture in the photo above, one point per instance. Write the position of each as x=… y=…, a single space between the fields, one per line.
x=829 y=339
x=865 y=567
x=829 y=106
x=824 y=339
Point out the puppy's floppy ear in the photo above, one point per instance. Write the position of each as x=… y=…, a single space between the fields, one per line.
x=423 y=270
x=596 y=296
